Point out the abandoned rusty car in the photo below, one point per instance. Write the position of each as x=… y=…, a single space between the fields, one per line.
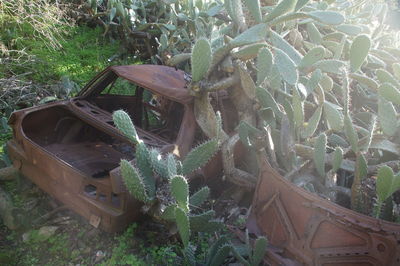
x=72 y=150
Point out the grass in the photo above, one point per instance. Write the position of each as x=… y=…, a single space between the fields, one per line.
x=121 y=252
x=38 y=250
x=83 y=53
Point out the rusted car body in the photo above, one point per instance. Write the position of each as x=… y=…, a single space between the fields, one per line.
x=313 y=231
x=72 y=150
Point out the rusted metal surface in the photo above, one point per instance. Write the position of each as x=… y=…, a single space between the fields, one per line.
x=314 y=231
x=72 y=150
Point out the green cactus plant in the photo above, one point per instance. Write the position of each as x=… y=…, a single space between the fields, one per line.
x=199 y=197
x=333 y=116
x=254 y=254
x=143 y=163
x=319 y=154
x=134 y=182
x=248 y=52
x=297 y=83
x=183 y=224
x=314 y=55
x=264 y=65
x=390 y=93
x=180 y=191
x=201 y=59
x=337 y=159
x=255 y=9
x=358 y=51
x=312 y=124
x=386 y=184
x=141 y=181
x=302 y=68
x=286 y=67
x=281 y=8
x=124 y=123
x=199 y=156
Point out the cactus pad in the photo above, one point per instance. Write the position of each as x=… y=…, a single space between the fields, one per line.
x=183 y=224
x=358 y=51
x=312 y=123
x=199 y=156
x=333 y=116
x=281 y=8
x=390 y=93
x=158 y=164
x=125 y=125
x=171 y=165
x=319 y=154
x=264 y=64
x=144 y=164
x=337 y=158
x=351 y=133
x=180 y=191
x=387 y=117
x=260 y=247
x=198 y=198
x=201 y=59
x=133 y=181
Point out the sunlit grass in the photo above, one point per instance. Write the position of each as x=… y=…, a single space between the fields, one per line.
x=83 y=54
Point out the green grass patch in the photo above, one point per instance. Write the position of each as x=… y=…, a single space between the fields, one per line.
x=84 y=53
x=122 y=251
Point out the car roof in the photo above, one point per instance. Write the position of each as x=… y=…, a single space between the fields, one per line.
x=163 y=80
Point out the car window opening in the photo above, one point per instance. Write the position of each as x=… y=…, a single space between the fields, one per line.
x=151 y=112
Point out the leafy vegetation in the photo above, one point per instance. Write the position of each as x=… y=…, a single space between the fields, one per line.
x=315 y=85
x=26 y=22
x=82 y=54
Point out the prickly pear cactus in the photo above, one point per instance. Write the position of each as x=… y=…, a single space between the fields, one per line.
x=134 y=182
x=156 y=181
x=124 y=123
x=299 y=69
x=180 y=191
x=312 y=72
x=201 y=59
x=199 y=156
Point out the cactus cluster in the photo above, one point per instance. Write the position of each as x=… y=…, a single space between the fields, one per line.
x=323 y=84
x=159 y=182
x=179 y=207
x=315 y=84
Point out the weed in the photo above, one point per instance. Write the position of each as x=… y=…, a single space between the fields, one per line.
x=121 y=253
x=82 y=55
